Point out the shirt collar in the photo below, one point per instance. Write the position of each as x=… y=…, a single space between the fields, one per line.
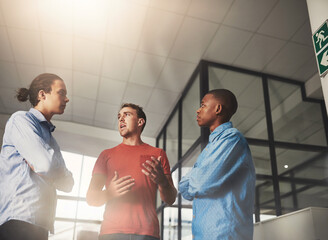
x=219 y=130
x=36 y=113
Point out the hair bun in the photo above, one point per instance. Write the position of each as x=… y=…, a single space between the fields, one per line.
x=22 y=94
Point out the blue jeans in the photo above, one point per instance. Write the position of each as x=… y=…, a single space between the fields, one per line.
x=121 y=236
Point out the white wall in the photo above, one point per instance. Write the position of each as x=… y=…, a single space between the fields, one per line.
x=306 y=224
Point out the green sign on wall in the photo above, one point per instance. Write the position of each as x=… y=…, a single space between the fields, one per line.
x=320 y=43
x=322 y=58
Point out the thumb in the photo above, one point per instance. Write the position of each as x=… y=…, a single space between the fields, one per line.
x=115 y=176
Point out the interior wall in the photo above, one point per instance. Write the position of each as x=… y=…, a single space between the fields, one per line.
x=308 y=223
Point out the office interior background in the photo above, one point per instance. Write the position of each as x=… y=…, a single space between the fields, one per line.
x=164 y=56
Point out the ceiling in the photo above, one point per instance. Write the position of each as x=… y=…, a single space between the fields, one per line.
x=144 y=51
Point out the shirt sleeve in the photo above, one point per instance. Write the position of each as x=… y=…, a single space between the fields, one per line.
x=44 y=159
x=101 y=164
x=27 y=139
x=165 y=163
x=63 y=178
x=219 y=166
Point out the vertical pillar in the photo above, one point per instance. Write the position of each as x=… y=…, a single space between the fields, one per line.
x=180 y=170
x=318 y=14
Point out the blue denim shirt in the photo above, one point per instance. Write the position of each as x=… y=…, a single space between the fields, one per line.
x=31 y=169
x=222 y=187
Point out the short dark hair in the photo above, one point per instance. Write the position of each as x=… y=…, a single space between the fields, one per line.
x=139 y=110
x=41 y=82
x=227 y=99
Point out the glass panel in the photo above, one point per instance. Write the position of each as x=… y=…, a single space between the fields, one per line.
x=63 y=230
x=172 y=140
x=287 y=160
x=175 y=178
x=313 y=197
x=158 y=199
x=170 y=223
x=293 y=119
x=250 y=116
x=316 y=169
x=84 y=211
x=75 y=210
x=266 y=198
x=190 y=128
x=299 y=166
x=159 y=216
x=186 y=219
x=286 y=197
x=186 y=167
x=66 y=208
x=73 y=163
x=261 y=159
x=191 y=160
x=88 y=164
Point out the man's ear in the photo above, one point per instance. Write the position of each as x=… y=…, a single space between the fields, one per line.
x=219 y=109
x=41 y=95
x=141 y=121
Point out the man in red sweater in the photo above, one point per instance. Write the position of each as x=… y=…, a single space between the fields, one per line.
x=131 y=173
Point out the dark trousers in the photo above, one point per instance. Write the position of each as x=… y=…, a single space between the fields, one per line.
x=20 y=230
x=121 y=236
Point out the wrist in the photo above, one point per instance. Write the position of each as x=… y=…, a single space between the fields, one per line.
x=164 y=184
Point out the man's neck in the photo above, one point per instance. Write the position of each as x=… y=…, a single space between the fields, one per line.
x=133 y=140
x=217 y=123
x=47 y=116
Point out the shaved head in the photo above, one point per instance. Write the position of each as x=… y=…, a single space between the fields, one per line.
x=227 y=99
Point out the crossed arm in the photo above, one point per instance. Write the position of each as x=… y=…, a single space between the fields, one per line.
x=42 y=158
x=222 y=163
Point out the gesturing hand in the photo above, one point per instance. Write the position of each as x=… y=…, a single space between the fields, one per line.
x=153 y=169
x=119 y=186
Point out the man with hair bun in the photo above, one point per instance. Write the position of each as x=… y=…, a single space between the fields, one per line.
x=31 y=164
x=222 y=181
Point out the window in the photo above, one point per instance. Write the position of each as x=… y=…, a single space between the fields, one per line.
x=286 y=135
x=73 y=215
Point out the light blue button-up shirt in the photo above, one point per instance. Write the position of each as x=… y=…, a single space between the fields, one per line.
x=222 y=187
x=25 y=194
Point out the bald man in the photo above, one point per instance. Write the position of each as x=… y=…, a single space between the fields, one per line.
x=221 y=184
